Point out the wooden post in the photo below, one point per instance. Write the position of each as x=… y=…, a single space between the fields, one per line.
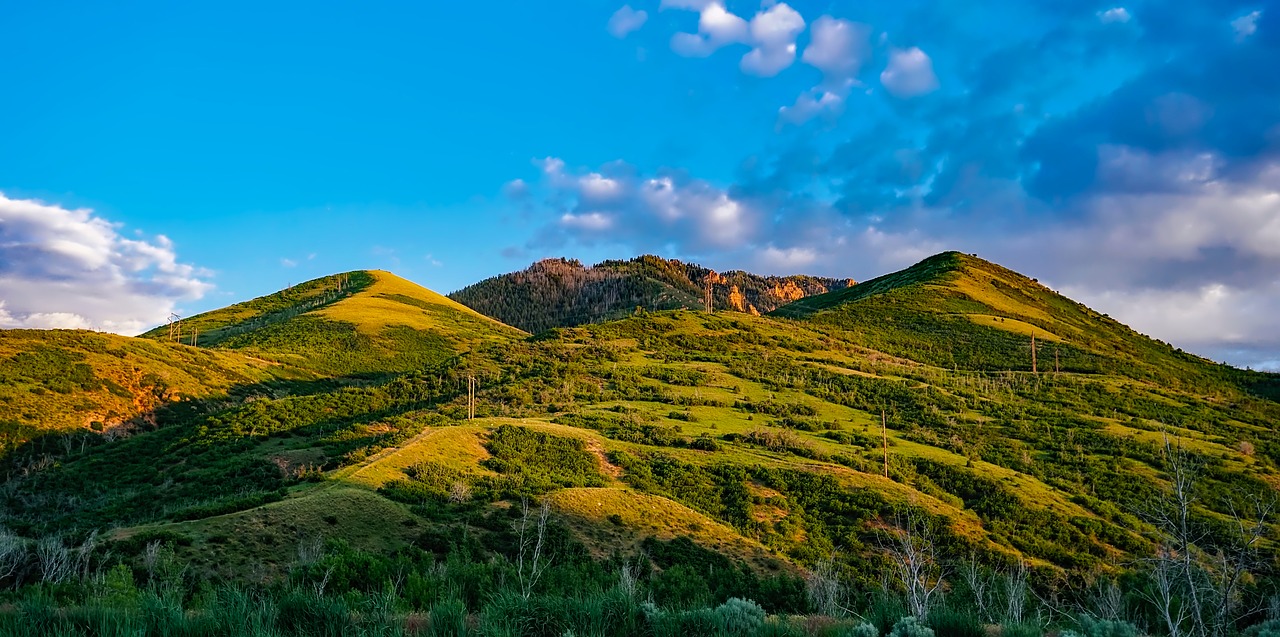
x=1033 y=353
x=471 y=397
x=884 y=435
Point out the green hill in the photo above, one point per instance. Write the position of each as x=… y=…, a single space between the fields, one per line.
x=564 y=293
x=722 y=455
x=67 y=380
x=354 y=323
x=958 y=311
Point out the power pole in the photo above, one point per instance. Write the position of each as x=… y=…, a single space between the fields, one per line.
x=709 y=281
x=884 y=436
x=175 y=330
x=1033 y=354
x=471 y=397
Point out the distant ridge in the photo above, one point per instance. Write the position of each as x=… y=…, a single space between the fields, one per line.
x=563 y=292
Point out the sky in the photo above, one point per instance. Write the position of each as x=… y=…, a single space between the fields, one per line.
x=177 y=157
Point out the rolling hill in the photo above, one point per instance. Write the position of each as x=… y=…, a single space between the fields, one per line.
x=363 y=322
x=564 y=293
x=721 y=454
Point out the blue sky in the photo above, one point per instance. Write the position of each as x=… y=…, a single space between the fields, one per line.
x=163 y=156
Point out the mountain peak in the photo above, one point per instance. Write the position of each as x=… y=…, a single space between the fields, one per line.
x=562 y=292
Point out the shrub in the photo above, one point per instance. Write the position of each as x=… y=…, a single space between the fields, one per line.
x=1090 y=627
x=1265 y=629
x=864 y=629
x=910 y=627
x=952 y=622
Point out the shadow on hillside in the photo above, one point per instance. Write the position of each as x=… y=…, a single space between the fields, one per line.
x=27 y=448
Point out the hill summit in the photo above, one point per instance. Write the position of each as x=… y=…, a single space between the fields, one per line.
x=366 y=321
x=564 y=292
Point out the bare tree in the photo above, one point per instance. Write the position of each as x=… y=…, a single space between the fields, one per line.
x=13 y=554
x=1195 y=578
x=459 y=492
x=1107 y=601
x=999 y=596
x=530 y=562
x=55 y=560
x=826 y=593
x=979 y=587
x=628 y=580
x=915 y=562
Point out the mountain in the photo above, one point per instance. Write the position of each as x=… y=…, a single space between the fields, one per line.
x=958 y=311
x=383 y=440
x=351 y=323
x=563 y=292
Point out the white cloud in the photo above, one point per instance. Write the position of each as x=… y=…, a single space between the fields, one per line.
x=625 y=20
x=788 y=259
x=773 y=35
x=909 y=73
x=811 y=104
x=72 y=269
x=1116 y=15
x=838 y=48
x=288 y=263
x=587 y=221
x=1246 y=25
x=717 y=27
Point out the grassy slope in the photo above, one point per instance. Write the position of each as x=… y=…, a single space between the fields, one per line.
x=355 y=323
x=1049 y=467
x=59 y=380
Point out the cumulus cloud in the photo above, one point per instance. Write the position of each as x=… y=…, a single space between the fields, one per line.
x=652 y=212
x=717 y=27
x=909 y=73
x=62 y=268
x=1114 y=15
x=773 y=34
x=814 y=103
x=838 y=48
x=625 y=20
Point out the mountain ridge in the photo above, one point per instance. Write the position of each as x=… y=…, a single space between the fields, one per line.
x=562 y=292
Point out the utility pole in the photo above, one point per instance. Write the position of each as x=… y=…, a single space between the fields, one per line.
x=471 y=397
x=1033 y=353
x=709 y=281
x=884 y=436
x=175 y=329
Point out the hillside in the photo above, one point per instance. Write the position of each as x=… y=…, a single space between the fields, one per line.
x=710 y=456
x=353 y=323
x=564 y=293
x=959 y=311
x=66 y=380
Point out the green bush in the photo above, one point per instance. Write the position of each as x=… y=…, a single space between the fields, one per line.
x=910 y=627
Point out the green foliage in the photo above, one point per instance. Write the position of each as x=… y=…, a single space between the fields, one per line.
x=541 y=461
x=910 y=627
x=1094 y=627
